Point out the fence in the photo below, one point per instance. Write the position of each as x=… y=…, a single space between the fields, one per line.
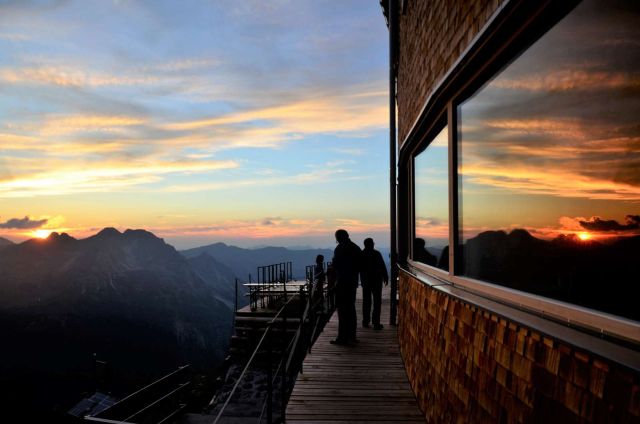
x=313 y=313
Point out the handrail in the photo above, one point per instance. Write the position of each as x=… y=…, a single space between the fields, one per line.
x=148 y=393
x=173 y=392
x=302 y=320
x=284 y=367
x=253 y=355
x=264 y=404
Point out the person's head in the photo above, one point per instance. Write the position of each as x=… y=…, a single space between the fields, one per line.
x=319 y=259
x=342 y=235
x=419 y=243
x=368 y=243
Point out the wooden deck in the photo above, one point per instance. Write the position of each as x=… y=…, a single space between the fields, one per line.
x=361 y=383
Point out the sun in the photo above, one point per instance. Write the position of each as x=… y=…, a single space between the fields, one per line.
x=41 y=234
x=584 y=236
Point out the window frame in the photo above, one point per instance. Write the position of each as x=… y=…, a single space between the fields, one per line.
x=441 y=108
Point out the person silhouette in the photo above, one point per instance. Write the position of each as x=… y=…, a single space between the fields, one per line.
x=346 y=262
x=421 y=254
x=372 y=274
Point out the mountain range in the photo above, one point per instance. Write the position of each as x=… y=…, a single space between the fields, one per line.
x=594 y=274
x=4 y=242
x=126 y=298
x=244 y=262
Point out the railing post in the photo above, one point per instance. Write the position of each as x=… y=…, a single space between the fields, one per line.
x=310 y=299
x=302 y=304
x=283 y=388
x=269 y=378
x=284 y=285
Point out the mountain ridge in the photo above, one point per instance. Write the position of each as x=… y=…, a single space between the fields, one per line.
x=128 y=298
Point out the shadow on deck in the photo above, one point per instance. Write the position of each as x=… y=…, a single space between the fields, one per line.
x=361 y=383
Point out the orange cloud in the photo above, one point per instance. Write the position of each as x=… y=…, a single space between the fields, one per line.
x=564 y=128
x=570 y=79
x=107 y=176
x=430 y=228
x=538 y=180
x=329 y=114
x=69 y=77
x=60 y=125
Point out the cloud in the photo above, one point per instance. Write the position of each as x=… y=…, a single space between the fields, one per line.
x=571 y=79
x=357 y=111
x=350 y=151
x=319 y=176
x=432 y=228
x=249 y=229
x=65 y=178
x=65 y=76
x=25 y=223
x=56 y=126
x=8 y=36
x=559 y=183
x=595 y=223
x=272 y=221
x=359 y=226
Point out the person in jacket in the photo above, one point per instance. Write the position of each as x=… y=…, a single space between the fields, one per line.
x=346 y=262
x=373 y=274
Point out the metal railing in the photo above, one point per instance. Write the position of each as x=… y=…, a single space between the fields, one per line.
x=313 y=308
x=157 y=402
x=270 y=284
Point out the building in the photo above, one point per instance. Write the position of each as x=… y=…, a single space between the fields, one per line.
x=517 y=212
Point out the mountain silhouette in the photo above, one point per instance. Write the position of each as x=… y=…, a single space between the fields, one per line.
x=245 y=261
x=220 y=277
x=4 y=242
x=129 y=297
x=588 y=273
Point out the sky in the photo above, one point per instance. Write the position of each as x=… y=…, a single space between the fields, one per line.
x=552 y=143
x=247 y=122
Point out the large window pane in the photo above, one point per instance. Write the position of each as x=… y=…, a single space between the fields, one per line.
x=430 y=244
x=550 y=164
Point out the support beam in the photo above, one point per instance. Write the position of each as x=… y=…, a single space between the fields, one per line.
x=393 y=42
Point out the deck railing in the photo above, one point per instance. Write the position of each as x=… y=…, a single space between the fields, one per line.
x=314 y=311
x=157 y=402
x=271 y=284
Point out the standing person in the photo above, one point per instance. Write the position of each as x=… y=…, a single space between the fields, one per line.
x=346 y=262
x=372 y=275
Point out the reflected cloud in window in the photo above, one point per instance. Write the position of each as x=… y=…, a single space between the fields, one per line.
x=550 y=164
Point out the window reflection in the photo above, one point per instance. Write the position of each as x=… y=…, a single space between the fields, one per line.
x=430 y=245
x=550 y=164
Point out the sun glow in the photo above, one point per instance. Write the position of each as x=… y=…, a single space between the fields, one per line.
x=584 y=236
x=41 y=234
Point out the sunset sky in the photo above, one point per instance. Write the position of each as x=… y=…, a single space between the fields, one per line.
x=265 y=122
x=552 y=143
x=248 y=122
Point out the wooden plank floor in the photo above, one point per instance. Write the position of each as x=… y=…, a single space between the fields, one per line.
x=360 y=383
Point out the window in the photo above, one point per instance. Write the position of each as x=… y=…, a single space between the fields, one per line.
x=431 y=188
x=549 y=165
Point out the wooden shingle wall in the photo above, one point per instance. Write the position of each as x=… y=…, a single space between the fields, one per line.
x=433 y=34
x=466 y=364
